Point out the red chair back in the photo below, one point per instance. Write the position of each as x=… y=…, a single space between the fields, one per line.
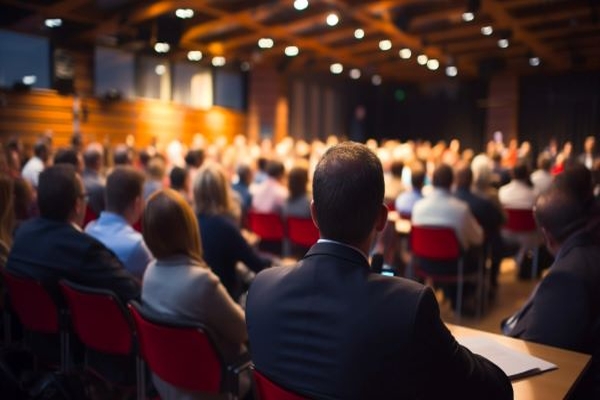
x=36 y=309
x=266 y=225
x=302 y=231
x=267 y=390
x=520 y=220
x=435 y=243
x=181 y=355
x=99 y=319
x=89 y=216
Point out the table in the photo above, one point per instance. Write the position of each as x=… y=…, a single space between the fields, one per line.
x=548 y=385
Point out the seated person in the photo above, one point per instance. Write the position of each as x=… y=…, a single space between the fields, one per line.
x=180 y=182
x=330 y=328
x=269 y=195
x=519 y=192
x=179 y=283
x=405 y=201
x=298 y=202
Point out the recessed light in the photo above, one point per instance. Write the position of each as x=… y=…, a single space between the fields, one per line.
x=218 y=61
x=29 y=80
x=405 y=53
x=194 y=55
x=160 y=69
x=376 y=80
x=451 y=70
x=332 y=19
x=162 y=47
x=300 y=4
x=265 y=43
x=336 y=68
x=184 y=13
x=503 y=43
x=291 y=51
x=468 y=16
x=433 y=64
x=534 y=61
x=53 y=22
x=359 y=33
x=385 y=45
x=487 y=30
x=245 y=66
x=354 y=73
x=422 y=59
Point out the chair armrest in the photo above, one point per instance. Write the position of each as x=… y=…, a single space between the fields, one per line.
x=234 y=370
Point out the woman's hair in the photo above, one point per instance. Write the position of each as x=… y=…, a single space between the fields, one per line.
x=211 y=191
x=297 y=181
x=170 y=227
x=7 y=211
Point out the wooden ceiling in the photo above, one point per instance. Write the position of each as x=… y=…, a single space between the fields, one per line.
x=564 y=34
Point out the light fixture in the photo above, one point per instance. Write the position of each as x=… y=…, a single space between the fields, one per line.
x=385 y=44
x=162 y=47
x=422 y=59
x=534 y=61
x=160 y=69
x=405 y=53
x=218 y=61
x=194 y=55
x=300 y=4
x=451 y=71
x=376 y=80
x=53 y=22
x=359 y=33
x=332 y=19
x=433 y=64
x=265 y=43
x=245 y=66
x=354 y=73
x=184 y=13
x=487 y=30
x=291 y=51
x=29 y=80
x=336 y=68
x=503 y=43
x=468 y=16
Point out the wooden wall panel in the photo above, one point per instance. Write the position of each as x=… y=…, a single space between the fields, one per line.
x=30 y=114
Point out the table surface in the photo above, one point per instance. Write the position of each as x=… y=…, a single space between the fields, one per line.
x=554 y=384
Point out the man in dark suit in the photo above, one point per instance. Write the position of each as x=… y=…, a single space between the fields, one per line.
x=564 y=309
x=329 y=328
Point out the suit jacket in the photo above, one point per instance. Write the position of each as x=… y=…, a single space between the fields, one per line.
x=564 y=310
x=329 y=328
x=50 y=250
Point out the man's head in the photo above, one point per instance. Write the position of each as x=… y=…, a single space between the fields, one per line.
x=417 y=175
x=464 y=177
x=41 y=150
x=179 y=178
x=61 y=196
x=520 y=172
x=93 y=157
x=124 y=193
x=69 y=156
x=348 y=191
x=443 y=177
x=275 y=169
x=122 y=155
x=544 y=161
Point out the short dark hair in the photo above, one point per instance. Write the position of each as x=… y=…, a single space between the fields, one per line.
x=194 y=158
x=275 y=169
x=348 y=191
x=40 y=149
x=521 y=172
x=67 y=156
x=464 y=177
x=397 y=167
x=297 y=181
x=560 y=213
x=577 y=181
x=443 y=176
x=123 y=185
x=58 y=190
x=92 y=158
x=122 y=155
x=177 y=178
x=417 y=175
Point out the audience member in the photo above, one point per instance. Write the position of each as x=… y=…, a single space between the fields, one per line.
x=155 y=175
x=122 y=155
x=588 y=156
x=518 y=193
x=222 y=242
x=93 y=181
x=180 y=285
x=393 y=182
x=124 y=207
x=541 y=178
x=298 y=202
x=242 y=186
x=501 y=173
x=270 y=195
x=37 y=163
x=563 y=309
x=331 y=328
x=69 y=156
x=405 y=202
x=179 y=179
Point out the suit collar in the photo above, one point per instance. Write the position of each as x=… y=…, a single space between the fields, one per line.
x=339 y=250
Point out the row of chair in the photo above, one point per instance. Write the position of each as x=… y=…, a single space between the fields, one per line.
x=182 y=354
x=272 y=227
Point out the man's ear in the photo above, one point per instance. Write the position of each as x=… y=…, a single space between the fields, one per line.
x=313 y=213
x=551 y=243
x=381 y=218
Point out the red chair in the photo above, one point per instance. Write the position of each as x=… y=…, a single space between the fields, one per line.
x=268 y=390
x=184 y=354
x=102 y=324
x=38 y=311
x=436 y=243
x=89 y=216
x=268 y=226
x=302 y=231
x=521 y=227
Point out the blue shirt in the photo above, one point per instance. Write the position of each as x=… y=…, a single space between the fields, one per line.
x=128 y=245
x=405 y=202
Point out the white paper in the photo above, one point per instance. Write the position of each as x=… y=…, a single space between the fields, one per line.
x=515 y=364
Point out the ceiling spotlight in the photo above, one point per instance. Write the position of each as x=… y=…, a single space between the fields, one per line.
x=265 y=43
x=162 y=47
x=184 y=13
x=29 y=80
x=336 y=68
x=468 y=16
x=160 y=69
x=385 y=45
x=332 y=19
x=245 y=66
x=405 y=53
x=300 y=4
x=194 y=55
x=503 y=43
x=451 y=71
x=53 y=22
x=534 y=61
x=218 y=61
x=487 y=30
x=359 y=33
x=354 y=73
x=376 y=80
x=422 y=59
x=291 y=51
x=433 y=64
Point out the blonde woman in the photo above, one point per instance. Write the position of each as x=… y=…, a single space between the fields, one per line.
x=223 y=244
x=179 y=283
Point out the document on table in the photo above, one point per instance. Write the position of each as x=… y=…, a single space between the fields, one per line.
x=515 y=364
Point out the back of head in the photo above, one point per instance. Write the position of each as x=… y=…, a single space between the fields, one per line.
x=170 y=227
x=464 y=177
x=67 y=156
x=211 y=190
x=348 y=191
x=123 y=186
x=156 y=168
x=577 y=181
x=417 y=175
x=177 y=178
x=520 y=172
x=244 y=173
x=92 y=157
x=122 y=155
x=58 y=190
x=194 y=158
x=40 y=149
x=560 y=213
x=275 y=169
x=443 y=177
x=396 y=168
x=297 y=181
x=544 y=161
